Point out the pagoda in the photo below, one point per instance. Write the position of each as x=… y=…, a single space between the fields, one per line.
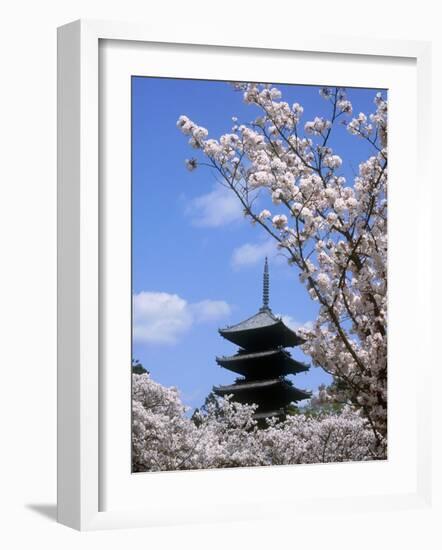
x=263 y=362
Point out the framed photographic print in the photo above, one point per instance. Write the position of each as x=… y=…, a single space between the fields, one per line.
x=231 y=244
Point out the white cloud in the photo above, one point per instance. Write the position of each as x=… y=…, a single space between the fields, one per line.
x=162 y=318
x=294 y=324
x=252 y=253
x=216 y=208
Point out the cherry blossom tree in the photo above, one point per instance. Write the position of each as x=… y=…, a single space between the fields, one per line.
x=162 y=438
x=333 y=231
x=225 y=434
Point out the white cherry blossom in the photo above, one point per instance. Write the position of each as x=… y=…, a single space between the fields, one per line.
x=224 y=434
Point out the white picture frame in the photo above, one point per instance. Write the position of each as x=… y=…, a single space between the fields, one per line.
x=80 y=266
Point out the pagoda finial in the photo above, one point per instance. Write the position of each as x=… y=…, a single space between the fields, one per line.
x=265 y=286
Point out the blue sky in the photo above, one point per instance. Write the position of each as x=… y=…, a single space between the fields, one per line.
x=196 y=262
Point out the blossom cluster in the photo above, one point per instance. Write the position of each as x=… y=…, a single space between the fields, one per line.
x=225 y=434
x=333 y=231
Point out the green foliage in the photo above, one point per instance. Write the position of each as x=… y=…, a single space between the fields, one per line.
x=137 y=367
x=293 y=410
x=210 y=399
x=314 y=409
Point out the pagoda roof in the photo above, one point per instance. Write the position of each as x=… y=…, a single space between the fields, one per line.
x=261 y=331
x=277 y=361
x=247 y=386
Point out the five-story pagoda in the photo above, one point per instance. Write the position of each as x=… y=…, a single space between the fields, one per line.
x=263 y=362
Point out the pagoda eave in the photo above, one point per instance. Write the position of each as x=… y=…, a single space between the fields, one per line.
x=242 y=385
x=263 y=337
x=254 y=373
x=256 y=364
x=262 y=330
x=260 y=388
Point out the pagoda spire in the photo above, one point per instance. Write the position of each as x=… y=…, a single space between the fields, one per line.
x=265 y=287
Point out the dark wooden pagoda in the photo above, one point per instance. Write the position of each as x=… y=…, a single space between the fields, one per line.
x=262 y=361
